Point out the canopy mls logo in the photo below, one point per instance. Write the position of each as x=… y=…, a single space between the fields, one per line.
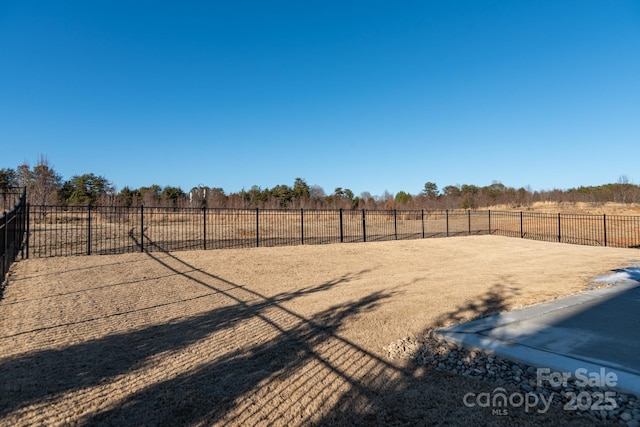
x=500 y=402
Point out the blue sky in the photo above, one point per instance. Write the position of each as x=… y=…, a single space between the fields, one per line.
x=366 y=95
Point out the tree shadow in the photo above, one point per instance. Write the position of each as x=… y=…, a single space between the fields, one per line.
x=276 y=367
x=425 y=396
x=41 y=376
x=90 y=363
x=213 y=391
x=492 y=302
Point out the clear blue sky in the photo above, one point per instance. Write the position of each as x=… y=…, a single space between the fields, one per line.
x=366 y=95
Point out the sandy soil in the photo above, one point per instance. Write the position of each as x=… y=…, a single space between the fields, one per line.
x=267 y=336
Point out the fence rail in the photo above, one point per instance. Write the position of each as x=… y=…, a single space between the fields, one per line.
x=13 y=226
x=74 y=230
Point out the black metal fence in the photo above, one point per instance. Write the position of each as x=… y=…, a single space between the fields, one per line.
x=581 y=229
x=62 y=231
x=9 y=197
x=13 y=225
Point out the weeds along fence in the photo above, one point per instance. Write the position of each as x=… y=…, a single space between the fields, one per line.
x=13 y=226
x=63 y=231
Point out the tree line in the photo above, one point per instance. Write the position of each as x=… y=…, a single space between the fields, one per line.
x=47 y=187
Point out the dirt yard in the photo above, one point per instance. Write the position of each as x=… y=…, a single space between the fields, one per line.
x=267 y=336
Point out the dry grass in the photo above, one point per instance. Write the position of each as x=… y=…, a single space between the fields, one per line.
x=267 y=336
x=609 y=208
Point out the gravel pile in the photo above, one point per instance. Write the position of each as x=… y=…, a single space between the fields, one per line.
x=436 y=353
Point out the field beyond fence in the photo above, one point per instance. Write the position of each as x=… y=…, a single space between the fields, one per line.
x=64 y=231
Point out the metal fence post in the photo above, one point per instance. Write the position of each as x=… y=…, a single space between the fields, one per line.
x=28 y=208
x=559 y=230
x=422 y=223
x=341 y=229
x=257 y=227
x=604 y=222
x=5 y=256
x=204 y=227
x=302 y=226
x=447 y=220
x=364 y=227
x=490 y=222
x=395 y=223
x=88 y=229
x=469 y=217
x=141 y=228
x=521 y=227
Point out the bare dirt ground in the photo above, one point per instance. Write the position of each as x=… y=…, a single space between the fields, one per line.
x=267 y=336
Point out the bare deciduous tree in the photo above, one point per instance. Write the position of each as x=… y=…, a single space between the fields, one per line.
x=42 y=182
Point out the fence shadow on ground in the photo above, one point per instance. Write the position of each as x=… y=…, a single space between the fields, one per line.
x=277 y=368
x=492 y=302
x=35 y=377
